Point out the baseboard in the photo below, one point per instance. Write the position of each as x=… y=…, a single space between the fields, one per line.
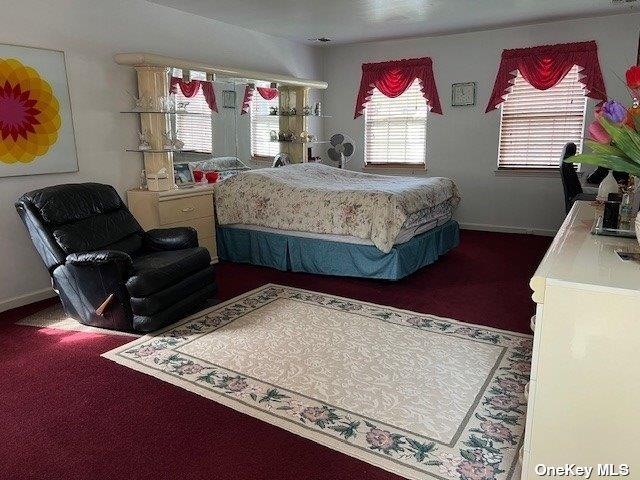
x=506 y=229
x=26 y=299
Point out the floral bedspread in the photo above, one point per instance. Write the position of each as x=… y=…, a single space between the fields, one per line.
x=316 y=198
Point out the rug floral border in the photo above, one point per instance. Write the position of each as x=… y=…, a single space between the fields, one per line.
x=485 y=448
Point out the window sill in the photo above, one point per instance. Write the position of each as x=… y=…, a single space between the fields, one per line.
x=530 y=172
x=377 y=167
x=258 y=158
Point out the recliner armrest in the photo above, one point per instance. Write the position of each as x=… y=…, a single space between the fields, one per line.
x=99 y=257
x=176 y=238
x=106 y=260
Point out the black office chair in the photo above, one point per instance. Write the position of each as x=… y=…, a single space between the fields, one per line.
x=107 y=271
x=570 y=181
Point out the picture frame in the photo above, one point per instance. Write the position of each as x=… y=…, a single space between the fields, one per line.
x=228 y=99
x=38 y=113
x=183 y=174
x=463 y=94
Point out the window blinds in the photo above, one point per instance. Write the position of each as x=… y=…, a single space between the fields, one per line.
x=535 y=124
x=195 y=130
x=396 y=128
x=261 y=126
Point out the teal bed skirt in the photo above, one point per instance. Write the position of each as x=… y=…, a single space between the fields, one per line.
x=313 y=255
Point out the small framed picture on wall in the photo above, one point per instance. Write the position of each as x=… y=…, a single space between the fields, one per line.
x=463 y=94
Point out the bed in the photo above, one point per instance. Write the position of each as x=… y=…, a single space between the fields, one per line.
x=319 y=219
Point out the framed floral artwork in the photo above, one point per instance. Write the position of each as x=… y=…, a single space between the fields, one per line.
x=36 y=125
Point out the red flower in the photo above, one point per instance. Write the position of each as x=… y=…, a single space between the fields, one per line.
x=633 y=77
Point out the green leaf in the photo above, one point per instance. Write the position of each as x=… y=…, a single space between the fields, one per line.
x=467 y=455
x=622 y=137
x=613 y=162
x=601 y=148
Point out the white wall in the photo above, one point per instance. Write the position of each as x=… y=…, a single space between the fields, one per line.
x=90 y=32
x=462 y=143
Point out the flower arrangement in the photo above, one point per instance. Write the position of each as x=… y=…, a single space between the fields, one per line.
x=615 y=133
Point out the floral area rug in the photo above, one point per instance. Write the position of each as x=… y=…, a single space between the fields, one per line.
x=54 y=317
x=417 y=395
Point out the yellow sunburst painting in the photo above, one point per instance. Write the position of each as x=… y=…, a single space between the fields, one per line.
x=34 y=101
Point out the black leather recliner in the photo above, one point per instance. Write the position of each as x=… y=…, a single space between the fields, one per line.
x=108 y=272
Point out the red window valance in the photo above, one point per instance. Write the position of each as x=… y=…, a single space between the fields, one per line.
x=190 y=89
x=265 y=92
x=543 y=67
x=394 y=77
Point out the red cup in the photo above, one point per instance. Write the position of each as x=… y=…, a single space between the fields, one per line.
x=212 y=177
x=197 y=175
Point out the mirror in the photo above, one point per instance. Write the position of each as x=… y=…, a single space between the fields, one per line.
x=283 y=123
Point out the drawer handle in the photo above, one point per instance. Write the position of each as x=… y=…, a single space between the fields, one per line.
x=188 y=209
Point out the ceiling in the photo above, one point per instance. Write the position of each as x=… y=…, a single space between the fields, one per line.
x=352 y=21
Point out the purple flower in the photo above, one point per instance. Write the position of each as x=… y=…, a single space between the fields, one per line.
x=146 y=351
x=417 y=321
x=496 y=431
x=504 y=402
x=237 y=384
x=190 y=369
x=316 y=414
x=381 y=439
x=614 y=111
x=475 y=471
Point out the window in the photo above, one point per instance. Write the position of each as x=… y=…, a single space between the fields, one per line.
x=395 y=129
x=195 y=130
x=261 y=126
x=535 y=124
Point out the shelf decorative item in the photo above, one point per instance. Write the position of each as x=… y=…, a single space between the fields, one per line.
x=615 y=136
x=463 y=94
x=171 y=142
x=143 y=140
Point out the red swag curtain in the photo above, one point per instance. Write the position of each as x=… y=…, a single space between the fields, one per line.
x=265 y=92
x=543 y=67
x=190 y=89
x=394 y=77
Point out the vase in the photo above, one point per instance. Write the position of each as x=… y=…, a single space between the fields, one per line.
x=607 y=186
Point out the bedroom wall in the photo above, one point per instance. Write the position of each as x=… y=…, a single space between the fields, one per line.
x=90 y=32
x=462 y=143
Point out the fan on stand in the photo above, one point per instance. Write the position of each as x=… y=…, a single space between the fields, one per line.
x=341 y=149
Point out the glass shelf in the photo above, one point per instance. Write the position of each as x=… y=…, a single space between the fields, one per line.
x=179 y=112
x=299 y=141
x=167 y=150
x=296 y=116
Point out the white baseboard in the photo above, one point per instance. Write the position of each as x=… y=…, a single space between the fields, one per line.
x=506 y=229
x=26 y=299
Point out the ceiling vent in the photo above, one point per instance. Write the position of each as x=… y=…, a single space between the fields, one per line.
x=620 y=2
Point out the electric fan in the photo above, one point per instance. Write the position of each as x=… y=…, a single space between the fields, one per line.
x=341 y=149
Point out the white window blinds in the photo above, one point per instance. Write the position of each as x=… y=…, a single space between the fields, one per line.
x=395 y=129
x=535 y=124
x=261 y=126
x=195 y=130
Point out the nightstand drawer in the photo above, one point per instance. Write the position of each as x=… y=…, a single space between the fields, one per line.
x=204 y=226
x=188 y=208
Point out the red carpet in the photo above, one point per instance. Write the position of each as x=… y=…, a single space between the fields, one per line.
x=67 y=413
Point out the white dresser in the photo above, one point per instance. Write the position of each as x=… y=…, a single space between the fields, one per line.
x=584 y=395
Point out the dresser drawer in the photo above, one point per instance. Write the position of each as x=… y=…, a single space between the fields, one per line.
x=181 y=209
